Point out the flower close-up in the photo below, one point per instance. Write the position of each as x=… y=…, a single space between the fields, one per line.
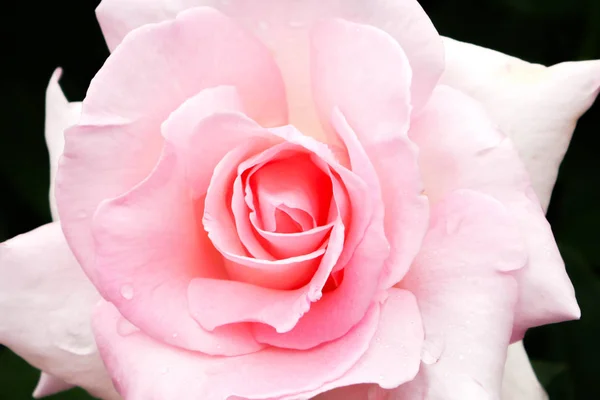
x=286 y=199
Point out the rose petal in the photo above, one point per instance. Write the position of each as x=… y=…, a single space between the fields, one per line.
x=49 y=385
x=45 y=309
x=537 y=107
x=364 y=73
x=149 y=246
x=466 y=296
x=144 y=369
x=519 y=380
x=179 y=127
x=60 y=115
x=393 y=356
x=461 y=148
x=118 y=141
x=283 y=25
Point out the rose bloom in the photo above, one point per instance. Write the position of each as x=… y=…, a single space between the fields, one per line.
x=293 y=199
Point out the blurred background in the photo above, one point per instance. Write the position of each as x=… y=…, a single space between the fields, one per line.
x=37 y=38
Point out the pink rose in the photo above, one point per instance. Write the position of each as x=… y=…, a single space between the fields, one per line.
x=292 y=200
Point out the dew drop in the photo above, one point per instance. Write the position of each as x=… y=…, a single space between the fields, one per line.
x=127 y=292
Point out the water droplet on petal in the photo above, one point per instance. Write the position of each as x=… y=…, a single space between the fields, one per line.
x=127 y=292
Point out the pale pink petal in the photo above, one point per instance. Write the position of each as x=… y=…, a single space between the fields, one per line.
x=180 y=126
x=366 y=75
x=393 y=356
x=466 y=294
x=118 y=140
x=519 y=380
x=144 y=369
x=49 y=385
x=149 y=246
x=537 y=107
x=46 y=304
x=460 y=147
x=60 y=115
x=283 y=25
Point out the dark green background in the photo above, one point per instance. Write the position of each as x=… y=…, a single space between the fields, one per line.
x=38 y=37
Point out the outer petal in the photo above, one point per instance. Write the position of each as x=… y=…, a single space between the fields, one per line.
x=519 y=380
x=60 y=115
x=461 y=148
x=466 y=295
x=118 y=140
x=149 y=248
x=393 y=355
x=362 y=72
x=383 y=348
x=537 y=107
x=147 y=370
x=45 y=309
x=49 y=385
x=283 y=25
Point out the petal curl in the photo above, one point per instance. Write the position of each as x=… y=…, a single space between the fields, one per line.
x=519 y=380
x=149 y=247
x=392 y=358
x=144 y=369
x=362 y=72
x=466 y=294
x=60 y=115
x=46 y=304
x=49 y=385
x=537 y=107
x=283 y=25
x=118 y=142
x=460 y=147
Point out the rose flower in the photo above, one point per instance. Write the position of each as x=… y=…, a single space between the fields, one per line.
x=294 y=199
